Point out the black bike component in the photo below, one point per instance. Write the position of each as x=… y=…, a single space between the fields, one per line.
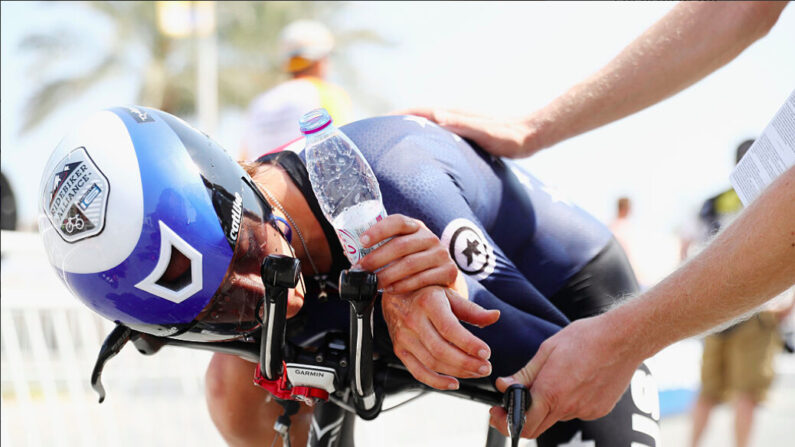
x=516 y=402
x=494 y=438
x=147 y=344
x=245 y=350
x=331 y=426
x=279 y=274
x=282 y=424
x=331 y=352
x=112 y=345
x=360 y=289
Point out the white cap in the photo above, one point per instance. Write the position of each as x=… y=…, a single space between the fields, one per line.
x=305 y=39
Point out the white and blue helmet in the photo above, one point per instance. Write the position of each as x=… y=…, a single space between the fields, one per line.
x=143 y=218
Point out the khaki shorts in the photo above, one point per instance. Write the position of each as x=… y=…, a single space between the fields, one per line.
x=740 y=360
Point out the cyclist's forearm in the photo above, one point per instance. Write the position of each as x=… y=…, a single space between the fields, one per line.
x=750 y=262
x=688 y=43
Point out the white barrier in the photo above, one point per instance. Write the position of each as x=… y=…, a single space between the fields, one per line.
x=49 y=344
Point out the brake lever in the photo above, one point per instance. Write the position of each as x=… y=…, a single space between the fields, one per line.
x=112 y=345
x=360 y=289
x=279 y=274
x=516 y=402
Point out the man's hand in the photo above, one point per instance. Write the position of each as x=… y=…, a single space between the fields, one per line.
x=580 y=372
x=504 y=138
x=412 y=259
x=429 y=339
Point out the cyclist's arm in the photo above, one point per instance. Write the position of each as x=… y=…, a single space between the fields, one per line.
x=526 y=316
x=690 y=42
x=581 y=371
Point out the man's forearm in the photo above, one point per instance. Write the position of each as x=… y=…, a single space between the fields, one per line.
x=750 y=262
x=690 y=42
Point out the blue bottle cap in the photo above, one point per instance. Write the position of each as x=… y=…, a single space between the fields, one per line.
x=314 y=121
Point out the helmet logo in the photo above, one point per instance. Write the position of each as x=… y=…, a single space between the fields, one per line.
x=139 y=115
x=76 y=201
x=237 y=211
x=192 y=277
x=61 y=177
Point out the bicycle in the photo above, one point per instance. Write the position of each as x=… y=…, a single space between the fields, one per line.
x=74 y=223
x=339 y=375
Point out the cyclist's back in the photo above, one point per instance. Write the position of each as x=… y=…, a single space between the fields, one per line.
x=526 y=251
x=436 y=175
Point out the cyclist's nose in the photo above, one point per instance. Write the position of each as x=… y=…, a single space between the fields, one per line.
x=250 y=282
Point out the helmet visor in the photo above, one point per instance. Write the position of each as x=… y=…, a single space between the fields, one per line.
x=230 y=314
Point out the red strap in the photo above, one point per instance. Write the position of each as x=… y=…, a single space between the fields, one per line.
x=281 y=389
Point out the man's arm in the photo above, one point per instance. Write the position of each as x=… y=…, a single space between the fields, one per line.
x=750 y=262
x=691 y=41
x=581 y=371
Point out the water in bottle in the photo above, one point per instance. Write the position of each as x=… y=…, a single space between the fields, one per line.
x=342 y=181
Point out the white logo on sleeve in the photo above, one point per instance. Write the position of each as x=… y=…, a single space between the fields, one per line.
x=469 y=248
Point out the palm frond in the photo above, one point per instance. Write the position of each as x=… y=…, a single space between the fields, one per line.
x=56 y=93
x=247 y=34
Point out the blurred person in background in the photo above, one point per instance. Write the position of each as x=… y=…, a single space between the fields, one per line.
x=272 y=121
x=581 y=371
x=737 y=362
x=626 y=234
x=716 y=212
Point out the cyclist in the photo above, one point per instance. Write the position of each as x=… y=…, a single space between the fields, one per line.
x=524 y=251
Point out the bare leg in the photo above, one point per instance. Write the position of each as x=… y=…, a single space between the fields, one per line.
x=743 y=418
x=244 y=413
x=701 y=412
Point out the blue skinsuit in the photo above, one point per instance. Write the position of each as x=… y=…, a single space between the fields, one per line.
x=534 y=241
x=515 y=238
x=518 y=242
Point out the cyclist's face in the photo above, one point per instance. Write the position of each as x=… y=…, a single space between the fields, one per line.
x=256 y=241
x=235 y=300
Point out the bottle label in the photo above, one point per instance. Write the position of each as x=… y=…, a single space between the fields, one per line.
x=353 y=223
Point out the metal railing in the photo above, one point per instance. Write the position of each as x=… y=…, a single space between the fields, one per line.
x=49 y=344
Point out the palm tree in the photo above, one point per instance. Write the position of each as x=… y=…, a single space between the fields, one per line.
x=247 y=47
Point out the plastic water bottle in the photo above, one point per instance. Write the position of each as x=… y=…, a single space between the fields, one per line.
x=343 y=182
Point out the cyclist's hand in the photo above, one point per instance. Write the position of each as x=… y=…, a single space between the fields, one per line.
x=412 y=259
x=430 y=340
x=505 y=138
x=580 y=372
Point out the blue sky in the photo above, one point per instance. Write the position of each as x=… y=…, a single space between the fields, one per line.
x=502 y=59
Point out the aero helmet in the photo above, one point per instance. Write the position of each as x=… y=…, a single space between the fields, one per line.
x=146 y=220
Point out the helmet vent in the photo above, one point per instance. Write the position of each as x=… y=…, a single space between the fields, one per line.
x=178 y=273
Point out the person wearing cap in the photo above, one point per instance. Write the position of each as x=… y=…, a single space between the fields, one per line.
x=272 y=121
